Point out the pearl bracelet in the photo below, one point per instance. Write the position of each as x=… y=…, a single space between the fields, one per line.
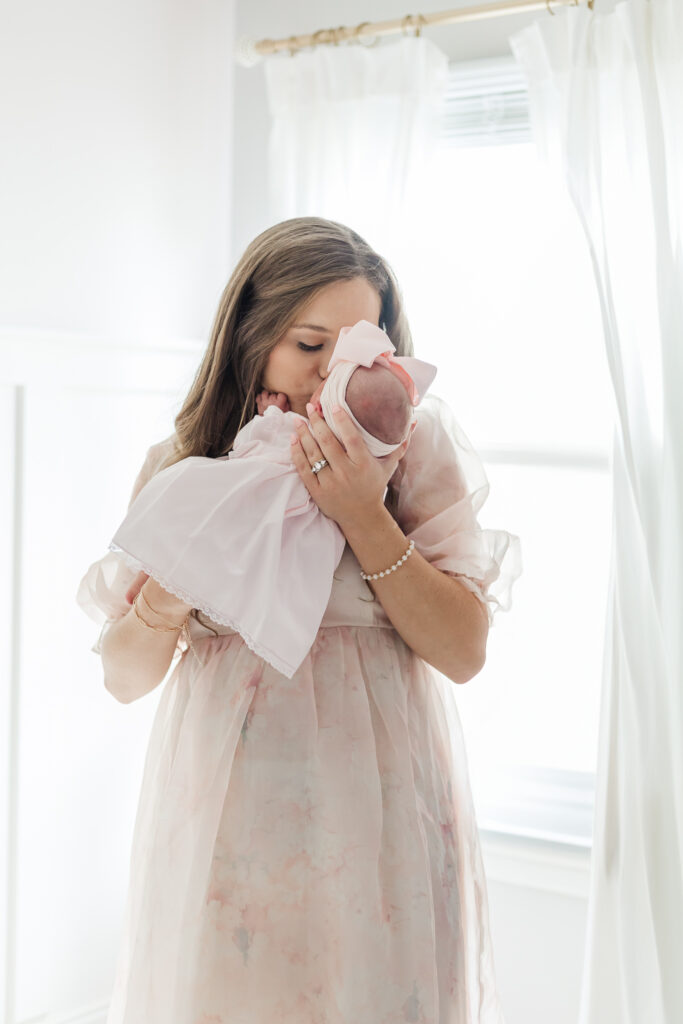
x=396 y=565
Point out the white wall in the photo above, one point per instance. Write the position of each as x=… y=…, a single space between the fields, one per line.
x=537 y=891
x=115 y=170
x=115 y=222
x=77 y=418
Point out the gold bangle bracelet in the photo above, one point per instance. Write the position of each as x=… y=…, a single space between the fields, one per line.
x=184 y=627
x=159 y=629
x=144 y=598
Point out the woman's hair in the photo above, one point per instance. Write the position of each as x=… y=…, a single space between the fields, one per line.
x=280 y=271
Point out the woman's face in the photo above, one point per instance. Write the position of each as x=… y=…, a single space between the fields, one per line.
x=297 y=366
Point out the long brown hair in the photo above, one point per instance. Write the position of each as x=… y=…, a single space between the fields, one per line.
x=279 y=272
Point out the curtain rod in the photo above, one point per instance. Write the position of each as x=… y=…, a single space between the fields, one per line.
x=249 y=52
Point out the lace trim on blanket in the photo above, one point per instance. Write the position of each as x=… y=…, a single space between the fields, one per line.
x=258 y=648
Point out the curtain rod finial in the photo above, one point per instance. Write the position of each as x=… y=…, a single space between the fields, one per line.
x=246 y=54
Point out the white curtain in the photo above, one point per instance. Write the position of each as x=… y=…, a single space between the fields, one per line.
x=606 y=95
x=352 y=132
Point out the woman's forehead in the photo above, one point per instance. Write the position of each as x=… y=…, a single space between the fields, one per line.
x=336 y=303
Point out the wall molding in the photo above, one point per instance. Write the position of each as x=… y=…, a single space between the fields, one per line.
x=43 y=376
x=93 y=361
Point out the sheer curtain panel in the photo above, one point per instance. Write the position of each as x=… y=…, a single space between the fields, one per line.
x=352 y=131
x=606 y=95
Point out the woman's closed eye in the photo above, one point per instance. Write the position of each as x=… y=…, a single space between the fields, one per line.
x=309 y=348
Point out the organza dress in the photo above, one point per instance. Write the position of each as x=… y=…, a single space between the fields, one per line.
x=305 y=850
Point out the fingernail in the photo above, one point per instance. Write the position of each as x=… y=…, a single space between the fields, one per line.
x=293 y=438
x=309 y=408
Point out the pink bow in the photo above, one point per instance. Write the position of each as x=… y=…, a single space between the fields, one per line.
x=365 y=344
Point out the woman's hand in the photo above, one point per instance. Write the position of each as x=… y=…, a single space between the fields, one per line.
x=135 y=586
x=160 y=600
x=352 y=485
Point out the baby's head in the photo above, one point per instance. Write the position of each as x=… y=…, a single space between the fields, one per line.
x=379 y=402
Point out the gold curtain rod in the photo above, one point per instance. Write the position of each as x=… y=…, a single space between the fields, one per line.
x=250 y=52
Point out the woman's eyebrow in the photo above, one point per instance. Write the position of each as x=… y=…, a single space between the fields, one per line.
x=314 y=327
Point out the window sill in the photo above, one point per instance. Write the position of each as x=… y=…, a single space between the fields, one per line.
x=537 y=862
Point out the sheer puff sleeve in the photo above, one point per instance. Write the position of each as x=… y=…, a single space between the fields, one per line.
x=102 y=592
x=442 y=485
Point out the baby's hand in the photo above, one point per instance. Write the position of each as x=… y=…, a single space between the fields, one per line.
x=266 y=398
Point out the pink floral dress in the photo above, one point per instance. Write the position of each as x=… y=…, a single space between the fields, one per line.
x=306 y=850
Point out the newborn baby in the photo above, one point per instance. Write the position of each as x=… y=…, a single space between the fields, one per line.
x=376 y=400
x=239 y=537
x=375 y=396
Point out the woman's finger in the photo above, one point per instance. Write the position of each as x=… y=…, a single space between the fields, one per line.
x=303 y=465
x=351 y=440
x=136 y=586
x=308 y=441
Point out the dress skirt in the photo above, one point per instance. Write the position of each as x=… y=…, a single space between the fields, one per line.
x=305 y=850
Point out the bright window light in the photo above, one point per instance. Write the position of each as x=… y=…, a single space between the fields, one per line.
x=500 y=294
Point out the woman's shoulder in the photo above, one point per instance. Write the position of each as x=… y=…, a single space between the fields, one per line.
x=434 y=420
x=435 y=409
x=439 y=431
x=432 y=407
x=159 y=451
x=439 y=451
x=421 y=439
x=156 y=457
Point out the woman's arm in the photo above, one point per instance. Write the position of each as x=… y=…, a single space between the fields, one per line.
x=135 y=658
x=442 y=621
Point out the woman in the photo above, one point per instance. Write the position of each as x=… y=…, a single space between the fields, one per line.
x=305 y=849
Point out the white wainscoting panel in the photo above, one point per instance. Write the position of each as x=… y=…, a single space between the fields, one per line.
x=77 y=415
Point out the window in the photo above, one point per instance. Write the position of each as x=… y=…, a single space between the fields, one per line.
x=500 y=295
